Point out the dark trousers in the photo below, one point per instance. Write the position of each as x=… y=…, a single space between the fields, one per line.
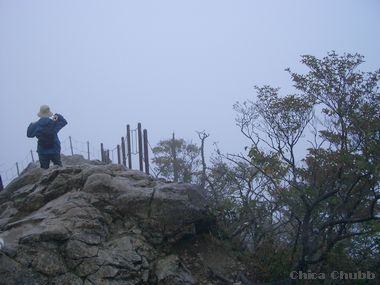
x=46 y=158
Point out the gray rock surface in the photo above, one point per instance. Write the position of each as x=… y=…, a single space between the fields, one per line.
x=170 y=270
x=91 y=223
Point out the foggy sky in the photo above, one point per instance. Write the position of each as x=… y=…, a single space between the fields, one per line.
x=175 y=66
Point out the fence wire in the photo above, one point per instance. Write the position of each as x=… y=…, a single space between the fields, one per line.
x=69 y=146
x=85 y=149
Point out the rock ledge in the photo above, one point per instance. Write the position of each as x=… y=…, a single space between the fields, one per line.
x=91 y=223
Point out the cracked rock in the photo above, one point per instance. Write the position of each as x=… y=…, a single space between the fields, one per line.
x=92 y=223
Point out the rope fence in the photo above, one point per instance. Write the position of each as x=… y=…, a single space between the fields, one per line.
x=132 y=144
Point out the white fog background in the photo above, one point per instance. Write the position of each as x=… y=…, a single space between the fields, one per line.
x=175 y=66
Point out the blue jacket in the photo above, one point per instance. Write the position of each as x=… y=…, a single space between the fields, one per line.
x=34 y=130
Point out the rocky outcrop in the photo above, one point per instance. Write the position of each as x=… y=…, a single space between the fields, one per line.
x=91 y=223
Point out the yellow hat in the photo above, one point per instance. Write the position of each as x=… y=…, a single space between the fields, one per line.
x=45 y=112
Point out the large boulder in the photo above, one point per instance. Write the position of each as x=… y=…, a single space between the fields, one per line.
x=91 y=223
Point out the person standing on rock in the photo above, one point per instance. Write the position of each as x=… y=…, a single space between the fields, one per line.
x=46 y=130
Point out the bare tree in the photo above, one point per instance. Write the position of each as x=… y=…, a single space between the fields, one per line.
x=203 y=136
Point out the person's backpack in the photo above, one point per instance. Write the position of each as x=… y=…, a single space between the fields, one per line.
x=47 y=136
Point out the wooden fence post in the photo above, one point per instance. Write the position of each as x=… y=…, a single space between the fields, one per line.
x=129 y=147
x=18 y=170
x=102 y=152
x=71 y=146
x=31 y=153
x=140 y=146
x=146 y=154
x=123 y=151
x=174 y=154
x=88 y=150
x=108 y=160
x=118 y=155
x=1 y=184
